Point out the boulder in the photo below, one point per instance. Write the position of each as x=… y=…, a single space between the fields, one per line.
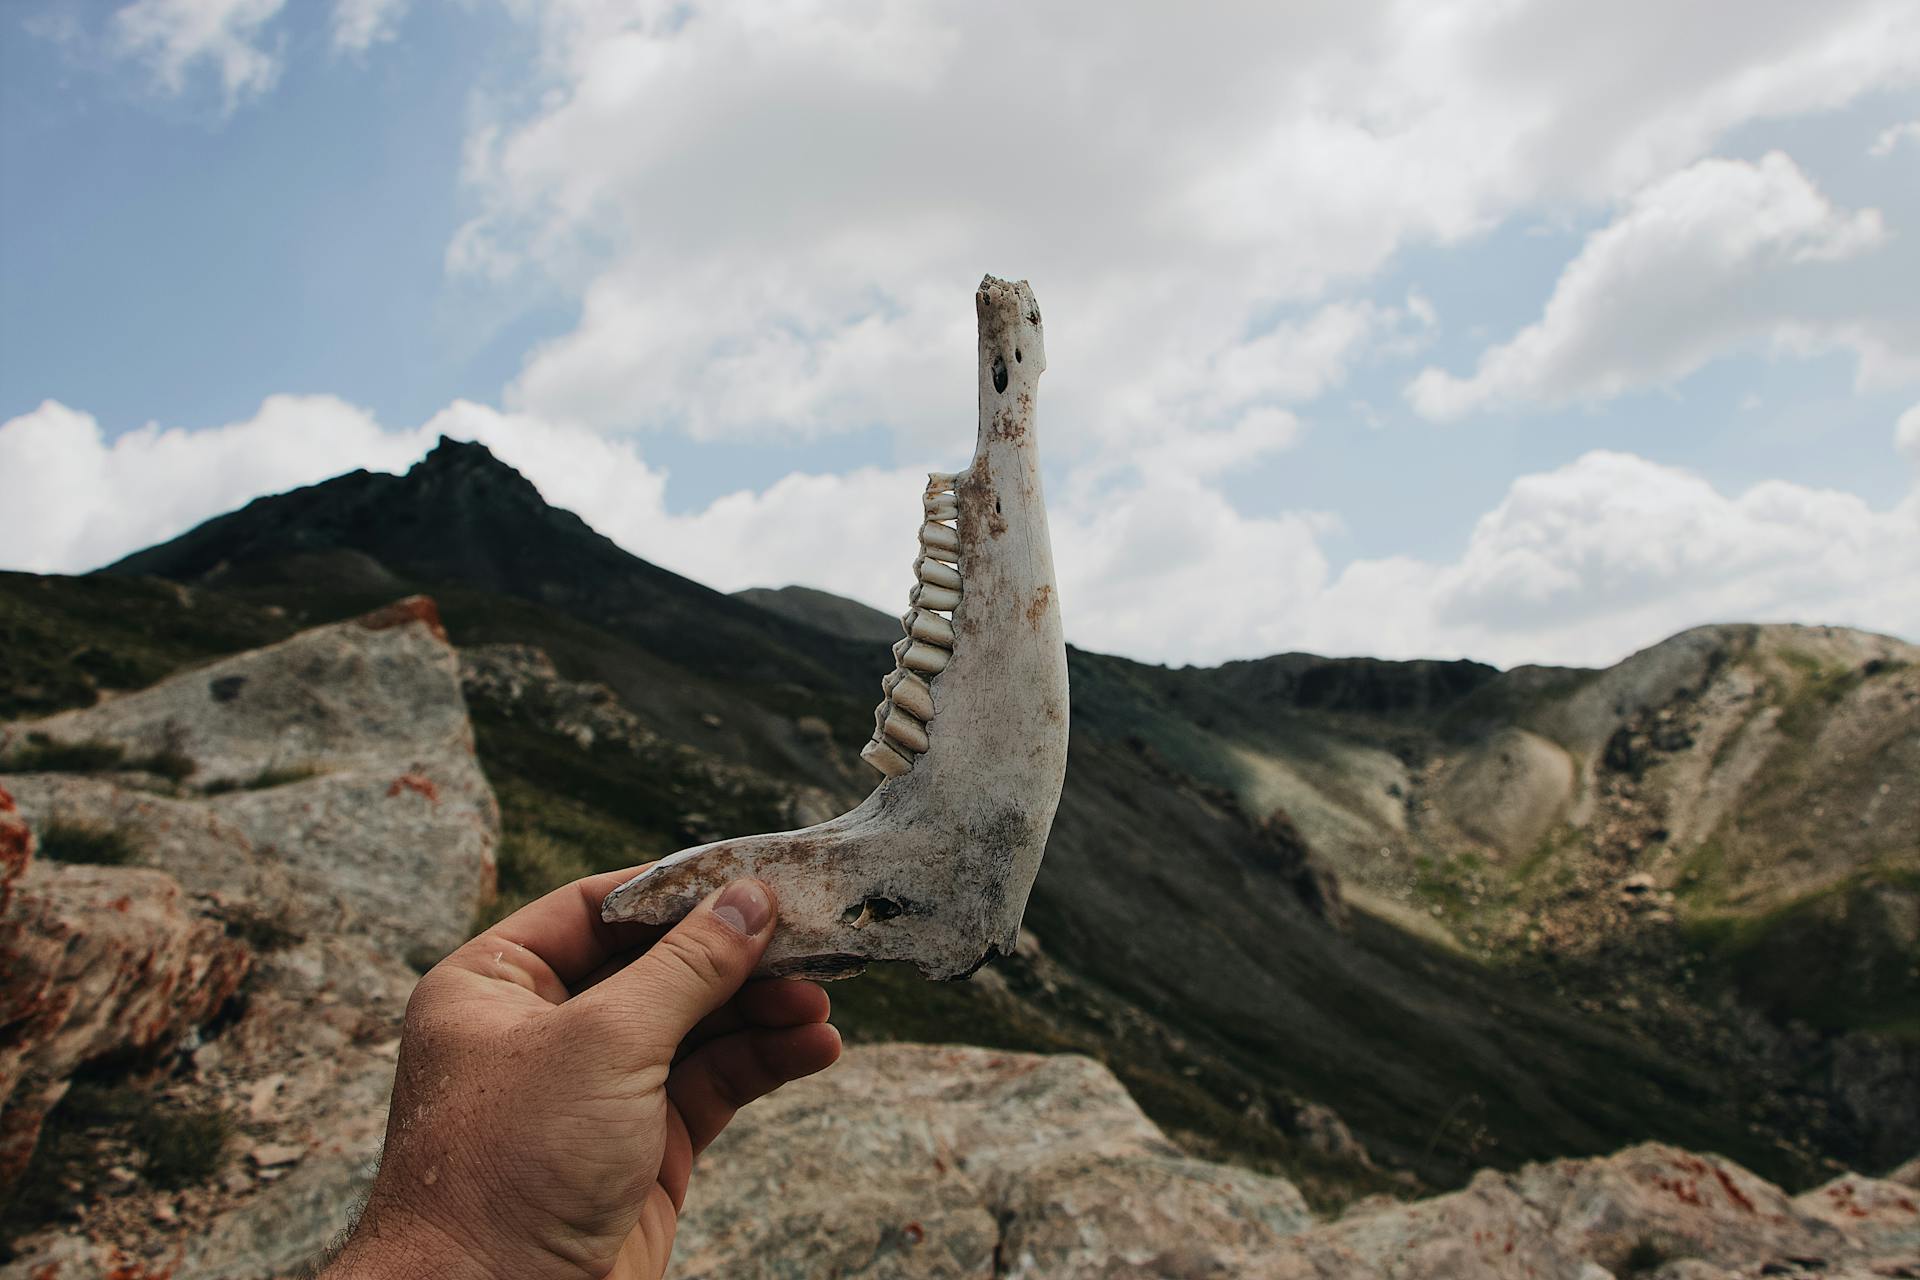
x=925 y=1161
x=342 y=757
x=337 y=819
x=1883 y=1215
x=96 y=961
x=1697 y=1217
x=207 y=854
x=917 y=1161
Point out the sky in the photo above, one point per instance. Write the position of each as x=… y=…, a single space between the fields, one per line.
x=1526 y=332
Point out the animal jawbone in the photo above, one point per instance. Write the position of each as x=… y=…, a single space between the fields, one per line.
x=970 y=736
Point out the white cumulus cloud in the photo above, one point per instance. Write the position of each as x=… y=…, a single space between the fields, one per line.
x=1698 y=263
x=1906 y=434
x=767 y=208
x=1580 y=564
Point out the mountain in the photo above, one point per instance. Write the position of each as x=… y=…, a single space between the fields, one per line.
x=460 y=517
x=836 y=615
x=1484 y=916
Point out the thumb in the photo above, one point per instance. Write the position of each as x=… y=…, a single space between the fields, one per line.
x=697 y=967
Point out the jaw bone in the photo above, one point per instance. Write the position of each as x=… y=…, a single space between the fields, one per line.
x=971 y=738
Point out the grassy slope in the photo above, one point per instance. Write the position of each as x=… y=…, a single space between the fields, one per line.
x=1181 y=960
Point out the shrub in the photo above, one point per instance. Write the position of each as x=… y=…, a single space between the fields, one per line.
x=64 y=840
x=172 y=764
x=260 y=930
x=183 y=1146
x=42 y=754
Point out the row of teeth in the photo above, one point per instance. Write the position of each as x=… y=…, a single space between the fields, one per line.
x=900 y=721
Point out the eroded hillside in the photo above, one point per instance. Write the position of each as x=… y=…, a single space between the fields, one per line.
x=1399 y=890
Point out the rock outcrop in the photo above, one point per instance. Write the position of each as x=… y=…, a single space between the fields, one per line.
x=334 y=820
x=331 y=824
x=916 y=1161
x=335 y=769
x=96 y=961
x=912 y=1160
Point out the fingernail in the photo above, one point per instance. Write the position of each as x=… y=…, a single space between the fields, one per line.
x=745 y=907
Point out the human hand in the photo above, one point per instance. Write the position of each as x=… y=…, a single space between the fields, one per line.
x=558 y=1075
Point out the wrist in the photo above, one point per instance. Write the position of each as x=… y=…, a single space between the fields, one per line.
x=390 y=1246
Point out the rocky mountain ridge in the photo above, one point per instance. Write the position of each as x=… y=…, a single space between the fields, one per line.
x=222 y=978
x=1476 y=999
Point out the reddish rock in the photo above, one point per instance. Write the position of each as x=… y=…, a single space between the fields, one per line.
x=82 y=977
x=1884 y=1214
x=402 y=612
x=419 y=784
x=16 y=847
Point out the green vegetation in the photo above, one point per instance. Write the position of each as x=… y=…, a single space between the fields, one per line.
x=43 y=754
x=167 y=1144
x=1390 y=1032
x=566 y=813
x=1805 y=706
x=62 y=840
x=1702 y=878
x=62 y=640
x=1448 y=882
x=531 y=862
x=183 y=1146
x=1852 y=967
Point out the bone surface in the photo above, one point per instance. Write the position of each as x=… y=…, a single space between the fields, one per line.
x=970 y=738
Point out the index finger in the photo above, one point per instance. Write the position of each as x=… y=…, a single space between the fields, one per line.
x=564 y=930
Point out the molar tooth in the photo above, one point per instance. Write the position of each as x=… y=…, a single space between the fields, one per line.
x=883 y=757
x=937 y=574
x=941 y=506
x=942 y=541
x=927 y=658
x=910 y=693
x=930 y=627
x=905 y=730
x=942 y=482
x=929 y=597
x=901 y=646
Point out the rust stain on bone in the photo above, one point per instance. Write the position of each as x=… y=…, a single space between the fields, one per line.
x=1038 y=608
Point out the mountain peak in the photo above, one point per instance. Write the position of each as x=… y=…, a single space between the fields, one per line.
x=463 y=455
x=468 y=473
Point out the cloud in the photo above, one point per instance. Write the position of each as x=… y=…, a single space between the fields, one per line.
x=767 y=210
x=1892 y=136
x=1906 y=434
x=1580 y=564
x=1613 y=549
x=1699 y=263
x=174 y=36
x=358 y=25
x=91 y=500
